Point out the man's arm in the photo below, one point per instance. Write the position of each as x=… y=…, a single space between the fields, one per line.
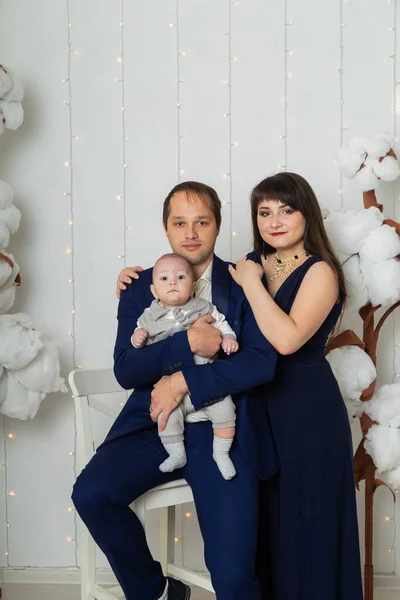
x=252 y=366
x=142 y=367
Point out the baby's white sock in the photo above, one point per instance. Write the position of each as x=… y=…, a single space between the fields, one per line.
x=221 y=447
x=177 y=457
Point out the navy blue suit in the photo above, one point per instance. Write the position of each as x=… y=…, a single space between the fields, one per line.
x=126 y=464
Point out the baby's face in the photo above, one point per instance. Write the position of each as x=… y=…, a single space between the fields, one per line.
x=172 y=282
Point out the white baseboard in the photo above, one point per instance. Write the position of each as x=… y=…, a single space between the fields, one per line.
x=55 y=576
x=106 y=577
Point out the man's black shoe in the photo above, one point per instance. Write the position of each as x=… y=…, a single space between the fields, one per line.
x=177 y=590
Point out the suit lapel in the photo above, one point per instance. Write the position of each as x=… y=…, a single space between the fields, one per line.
x=221 y=283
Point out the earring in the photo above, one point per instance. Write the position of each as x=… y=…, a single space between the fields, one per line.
x=264 y=249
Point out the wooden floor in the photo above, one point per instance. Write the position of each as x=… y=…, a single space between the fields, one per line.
x=22 y=591
x=19 y=591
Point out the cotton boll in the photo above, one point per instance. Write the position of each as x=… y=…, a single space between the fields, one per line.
x=7 y=273
x=347 y=230
x=7 y=299
x=20 y=403
x=357 y=144
x=16 y=93
x=366 y=178
x=392 y=478
x=5 y=270
x=6 y=195
x=4 y=235
x=13 y=114
x=19 y=343
x=384 y=407
x=357 y=292
x=386 y=137
x=5 y=82
x=350 y=162
x=387 y=169
x=355 y=409
x=381 y=244
x=324 y=211
x=382 y=280
x=42 y=374
x=376 y=146
x=353 y=369
x=383 y=445
x=11 y=217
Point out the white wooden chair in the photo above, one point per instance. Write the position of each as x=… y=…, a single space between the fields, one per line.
x=86 y=386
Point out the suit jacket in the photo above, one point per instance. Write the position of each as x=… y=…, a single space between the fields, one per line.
x=242 y=374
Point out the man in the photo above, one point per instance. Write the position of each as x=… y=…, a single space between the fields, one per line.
x=127 y=464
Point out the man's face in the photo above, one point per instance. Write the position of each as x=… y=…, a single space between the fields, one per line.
x=191 y=228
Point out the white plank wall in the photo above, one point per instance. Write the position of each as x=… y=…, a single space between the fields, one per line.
x=221 y=91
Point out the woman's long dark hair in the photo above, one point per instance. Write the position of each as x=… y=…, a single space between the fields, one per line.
x=294 y=191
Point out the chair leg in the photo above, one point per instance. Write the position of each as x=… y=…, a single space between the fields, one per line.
x=88 y=562
x=167 y=537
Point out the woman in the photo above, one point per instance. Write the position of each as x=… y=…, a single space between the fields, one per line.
x=295 y=287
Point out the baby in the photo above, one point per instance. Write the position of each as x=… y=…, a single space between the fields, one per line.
x=175 y=309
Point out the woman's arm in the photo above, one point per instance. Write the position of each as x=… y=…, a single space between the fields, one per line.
x=315 y=299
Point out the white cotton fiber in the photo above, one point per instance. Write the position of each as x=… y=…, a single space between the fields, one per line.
x=19 y=402
x=13 y=114
x=6 y=194
x=19 y=343
x=384 y=406
x=392 y=478
x=383 y=445
x=387 y=169
x=353 y=369
x=16 y=92
x=366 y=178
x=42 y=374
x=347 y=230
x=357 y=293
x=350 y=162
x=381 y=244
x=382 y=280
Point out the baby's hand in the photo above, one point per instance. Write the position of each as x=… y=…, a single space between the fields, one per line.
x=139 y=338
x=230 y=346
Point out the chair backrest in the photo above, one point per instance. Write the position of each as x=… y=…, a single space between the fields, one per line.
x=88 y=382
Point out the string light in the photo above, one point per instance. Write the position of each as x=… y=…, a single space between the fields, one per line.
x=5 y=451
x=124 y=138
x=188 y=515
x=176 y=540
x=70 y=250
x=284 y=99
x=342 y=129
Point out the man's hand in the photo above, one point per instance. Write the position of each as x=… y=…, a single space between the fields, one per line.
x=126 y=276
x=139 y=338
x=167 y=394
x=204 y=339
x=229 y=346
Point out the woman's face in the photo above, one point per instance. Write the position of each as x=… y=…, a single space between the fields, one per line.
x=280 y=226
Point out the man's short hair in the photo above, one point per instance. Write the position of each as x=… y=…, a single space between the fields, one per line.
x=195 y=189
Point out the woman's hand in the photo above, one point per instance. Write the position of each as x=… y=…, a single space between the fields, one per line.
x=246 y=270
x=126 y=276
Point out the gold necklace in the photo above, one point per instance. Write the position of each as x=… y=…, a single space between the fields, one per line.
x=285 y=266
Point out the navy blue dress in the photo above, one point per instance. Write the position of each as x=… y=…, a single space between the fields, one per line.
x=312 y=529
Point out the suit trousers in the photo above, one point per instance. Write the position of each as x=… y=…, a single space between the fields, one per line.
x=127 y=467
